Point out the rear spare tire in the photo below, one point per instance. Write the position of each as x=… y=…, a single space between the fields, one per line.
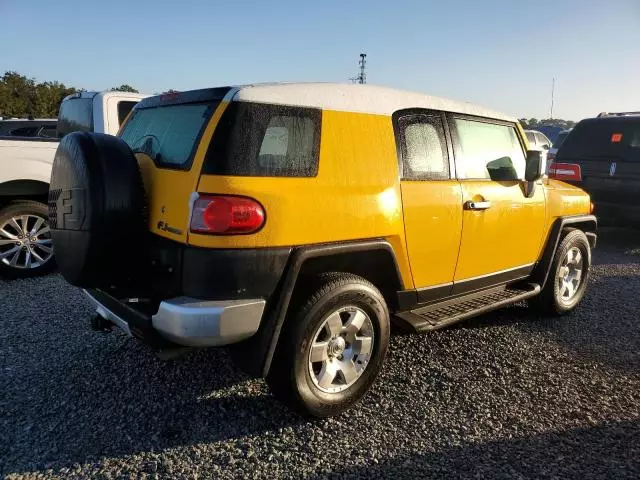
x=96 y=209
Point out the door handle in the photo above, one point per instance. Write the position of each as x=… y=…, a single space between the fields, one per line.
x=471 y=205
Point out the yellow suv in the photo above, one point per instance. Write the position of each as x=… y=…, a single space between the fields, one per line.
x=294 y=222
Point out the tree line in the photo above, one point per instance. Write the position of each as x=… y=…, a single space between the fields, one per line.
x=23 y=97
x=533 y=123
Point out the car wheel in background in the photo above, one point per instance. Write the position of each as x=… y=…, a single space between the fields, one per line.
x=26 y=248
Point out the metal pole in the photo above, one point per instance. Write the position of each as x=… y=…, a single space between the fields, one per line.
x=553 y=87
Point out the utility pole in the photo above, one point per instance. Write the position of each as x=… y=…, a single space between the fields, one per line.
x=553 y=87
x=362 y=76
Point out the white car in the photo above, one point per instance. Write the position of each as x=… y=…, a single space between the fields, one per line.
x=25 y=170
x=537 y=140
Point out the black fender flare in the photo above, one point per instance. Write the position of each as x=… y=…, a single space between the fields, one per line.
x=587 y=223
x=255 y=354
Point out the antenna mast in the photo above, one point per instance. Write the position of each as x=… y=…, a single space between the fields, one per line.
x=362 y=76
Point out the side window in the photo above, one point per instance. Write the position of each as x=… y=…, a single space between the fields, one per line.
x=124 y=107
x=24 y=132
x=488 y=151
x=423 y=147
x=48 y=132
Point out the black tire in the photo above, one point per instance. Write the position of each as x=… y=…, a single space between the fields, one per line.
x=289 y=376
x=550 y=301
x=18 y=209
x=96 y=209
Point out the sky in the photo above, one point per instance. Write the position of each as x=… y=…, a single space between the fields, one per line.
x=500 y=54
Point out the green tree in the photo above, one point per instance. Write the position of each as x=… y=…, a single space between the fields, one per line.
x=23 y=97
x=124 y=88
x=17 y=95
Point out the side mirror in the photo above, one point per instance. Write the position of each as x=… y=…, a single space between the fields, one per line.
x=536 y=161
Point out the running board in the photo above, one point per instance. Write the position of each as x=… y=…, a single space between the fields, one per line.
x=445 y=313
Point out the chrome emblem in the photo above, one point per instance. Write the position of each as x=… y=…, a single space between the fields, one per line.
x=612 y=169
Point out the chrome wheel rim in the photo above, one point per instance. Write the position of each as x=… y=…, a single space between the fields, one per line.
x=25 y=242
x=570 y=274
x=341 y=349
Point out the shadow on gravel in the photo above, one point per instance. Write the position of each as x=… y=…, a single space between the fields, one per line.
x=611 y=450
x=200 y=398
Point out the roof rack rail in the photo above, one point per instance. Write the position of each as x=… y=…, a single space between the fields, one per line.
x=617 y=114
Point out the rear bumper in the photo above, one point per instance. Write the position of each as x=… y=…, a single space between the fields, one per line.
x=183 y=320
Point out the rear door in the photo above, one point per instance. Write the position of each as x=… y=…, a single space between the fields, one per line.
x=431 y=199
x=608 y=152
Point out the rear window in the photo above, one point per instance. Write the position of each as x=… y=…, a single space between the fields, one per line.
x=168 y=134
x=604 y=139
x=263 y=140
x=76 y=114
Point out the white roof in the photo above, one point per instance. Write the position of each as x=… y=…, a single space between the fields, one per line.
x=356 y=98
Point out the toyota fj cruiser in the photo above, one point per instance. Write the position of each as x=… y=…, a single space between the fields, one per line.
x=293 y=222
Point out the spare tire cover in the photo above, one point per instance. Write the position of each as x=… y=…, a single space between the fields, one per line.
x=96 y=210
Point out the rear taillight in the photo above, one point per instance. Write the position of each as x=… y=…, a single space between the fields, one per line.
x=226 y=215
x=565 y=171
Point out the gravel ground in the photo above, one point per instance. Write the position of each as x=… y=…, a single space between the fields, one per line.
x=506 y=395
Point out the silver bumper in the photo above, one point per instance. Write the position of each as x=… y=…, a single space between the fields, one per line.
x=198 y=323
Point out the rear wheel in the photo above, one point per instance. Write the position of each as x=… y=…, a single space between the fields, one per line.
x=568 y=276
x=332 y=347
x=25 y=240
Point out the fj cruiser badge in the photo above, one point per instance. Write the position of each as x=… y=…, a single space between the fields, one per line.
x=612 y=169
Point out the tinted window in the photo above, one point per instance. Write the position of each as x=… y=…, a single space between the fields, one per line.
x=604 y=139
x=254 y=139
x=48 y=132
x=424 y=149
x=560 y=139
x=24 y=131
x=489 y=151
x=124 y=107
x=168 y=134
x=76 y=114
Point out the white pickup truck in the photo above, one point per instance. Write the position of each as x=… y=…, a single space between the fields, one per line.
x=25 y=170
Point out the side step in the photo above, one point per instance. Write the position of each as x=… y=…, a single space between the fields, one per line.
x=445 y=313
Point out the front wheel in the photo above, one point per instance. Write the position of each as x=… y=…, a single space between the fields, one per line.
x=26 y=249
x=332 y=348
x=567 y=281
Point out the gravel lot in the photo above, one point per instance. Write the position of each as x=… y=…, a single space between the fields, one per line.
x=506 y=395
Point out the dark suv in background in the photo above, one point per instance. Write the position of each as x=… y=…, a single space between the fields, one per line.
x=602 y=155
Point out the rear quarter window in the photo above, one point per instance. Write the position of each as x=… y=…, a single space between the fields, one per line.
x=254 y=139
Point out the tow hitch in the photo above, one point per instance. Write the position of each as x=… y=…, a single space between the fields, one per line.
x=101 y=324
